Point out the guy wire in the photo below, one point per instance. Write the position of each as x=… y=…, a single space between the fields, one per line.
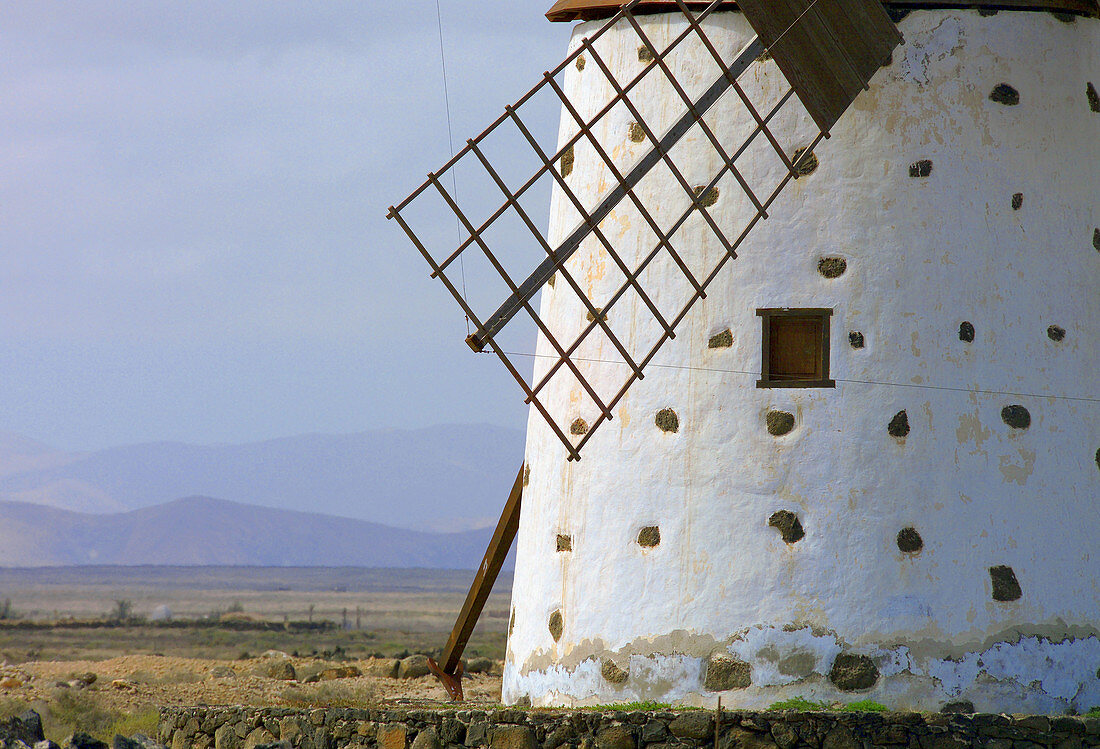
x=972 y=391
x=451 y=145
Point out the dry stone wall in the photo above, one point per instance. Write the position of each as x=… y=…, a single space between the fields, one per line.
x=336 y=728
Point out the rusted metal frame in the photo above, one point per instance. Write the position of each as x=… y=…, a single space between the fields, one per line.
x=495 y=554
x=691 y=105
x=545 y=270
x=631 y=279
x=519 y=103
x=537 y=387
x=599 y=318
x=596 y=312
x=736 y=86
x=569 y=143
x=666 y=157
x=396 y=214
x=664 y=239
x=526 y=303
x=535 y=281
x=721 y=264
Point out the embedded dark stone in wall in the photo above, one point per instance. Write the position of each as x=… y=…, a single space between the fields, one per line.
x=565 y=543
x=1005 y=585
x=1017 y=201
x=709 y=198
x=667 y=420
x=644 y=55
x=1063 y=16
x=966 y=332
x=1098 y=466
x=612 y=673
x=725 y=672
x=899 y=425
x=636 y=132
x=1096 y=239
x=578 y=427
x=1056 y=333
x=832 y=267
x=592 y=318
x=649 y=536
x=909 y=541
x=852 y=672
x=896 y=14
x=526 y=475
x=808 y=166
x=788 y=525
x=1016 y=416
x=779 y=423
x=920 y=168
x=856 y=339
x=512 y=622
x=1005 y=94
x=580 y=62
x=987 y=11
x=958 y=707
x=567 y=159
x=1093 y=97
x=553 y=278
x=721 y=340
x=555 y=625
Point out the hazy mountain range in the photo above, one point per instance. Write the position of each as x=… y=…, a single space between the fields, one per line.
x=205 y=531
x=444 y=478
x=392 y=498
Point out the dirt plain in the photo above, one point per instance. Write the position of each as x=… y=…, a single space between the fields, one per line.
x=64 y=655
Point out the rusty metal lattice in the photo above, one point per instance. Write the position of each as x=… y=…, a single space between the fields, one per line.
x=569 y=385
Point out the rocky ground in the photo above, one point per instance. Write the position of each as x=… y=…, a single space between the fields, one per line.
x=123 y=694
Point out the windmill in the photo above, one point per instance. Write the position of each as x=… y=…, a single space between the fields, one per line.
x=733 y=528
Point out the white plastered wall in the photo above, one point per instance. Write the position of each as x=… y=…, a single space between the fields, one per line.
x=923 y=255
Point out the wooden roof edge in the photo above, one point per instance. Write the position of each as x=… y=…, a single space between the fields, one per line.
x=587 y=10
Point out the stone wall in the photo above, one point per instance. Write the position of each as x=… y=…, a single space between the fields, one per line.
x=389 y=728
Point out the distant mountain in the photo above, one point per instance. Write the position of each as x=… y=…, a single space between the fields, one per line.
x=444 y=478
x=205 y=531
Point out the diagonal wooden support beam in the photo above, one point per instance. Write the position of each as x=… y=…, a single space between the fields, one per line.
x=449 y=668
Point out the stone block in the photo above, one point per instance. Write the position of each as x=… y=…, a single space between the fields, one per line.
x=694 y=725
x=413 y=667
x=226 y=738
x=257 y=737
x=427 y=739
x=392 y=736
x=616 y=737
x=512 y=737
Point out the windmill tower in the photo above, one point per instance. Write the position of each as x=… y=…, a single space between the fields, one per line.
x=837 y=398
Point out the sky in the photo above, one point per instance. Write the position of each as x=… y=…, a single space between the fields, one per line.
x=193 y=242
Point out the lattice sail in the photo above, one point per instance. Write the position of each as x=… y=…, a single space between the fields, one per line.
x=827 y=50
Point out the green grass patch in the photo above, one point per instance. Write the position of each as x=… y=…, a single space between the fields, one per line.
x=801 y=704
x=1095 y=710
x=864 y=706
x=71 y=711
x=128 y=724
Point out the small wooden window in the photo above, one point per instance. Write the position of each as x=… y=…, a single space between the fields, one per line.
x=795 y=348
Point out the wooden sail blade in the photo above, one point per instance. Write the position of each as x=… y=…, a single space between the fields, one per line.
x=827 y=49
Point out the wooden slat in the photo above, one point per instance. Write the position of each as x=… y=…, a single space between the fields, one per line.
x=827 y=49
x=482 y=586
x=585 y=10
